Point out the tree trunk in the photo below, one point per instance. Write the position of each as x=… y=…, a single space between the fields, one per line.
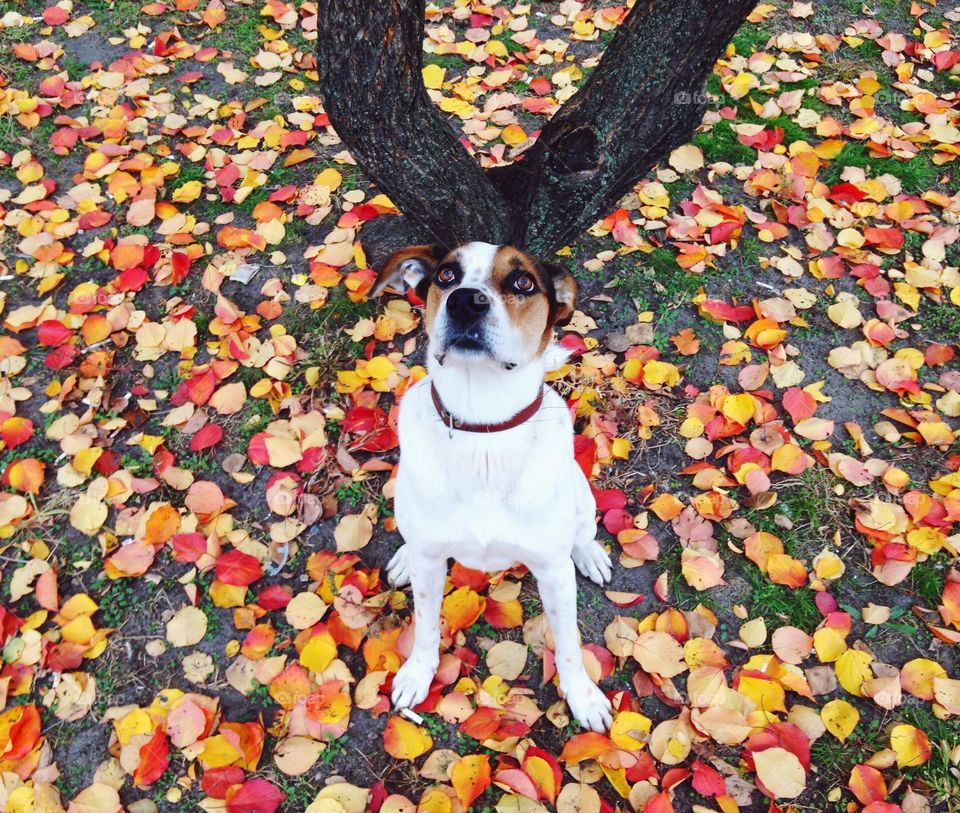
x=369 y=56
x=645 y=98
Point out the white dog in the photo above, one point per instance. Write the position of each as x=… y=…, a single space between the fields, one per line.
x=487 y=473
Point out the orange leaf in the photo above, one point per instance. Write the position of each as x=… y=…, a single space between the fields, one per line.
x=462 y=608
x=471 y=777
x=588 y=745
x=26 y=475
x=867 y=784
x=403 y=740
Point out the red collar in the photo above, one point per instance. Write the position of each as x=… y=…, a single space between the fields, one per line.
x=453 y=423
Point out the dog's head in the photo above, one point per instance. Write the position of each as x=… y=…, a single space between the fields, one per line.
x=483 y=302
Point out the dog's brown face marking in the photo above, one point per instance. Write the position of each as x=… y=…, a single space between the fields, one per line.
x=527 y=294
x=530 y=297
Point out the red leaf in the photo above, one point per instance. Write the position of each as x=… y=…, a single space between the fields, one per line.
x=61 y=357
x=23 y=732
x=257 y=449
x=209 y=435
x=154 y=759
x=608 y=498
x=846 y=193
x=274 y=597
x=254 y=796
x=55 y=15
x=585 y=453
x=799 y=403
x=180 y=265
x=217 y=781
x=188 y=547
x=52 y=333
x=238 y=568
x=707 y=781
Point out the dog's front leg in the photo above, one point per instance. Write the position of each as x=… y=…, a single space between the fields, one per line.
x=412 y=682
x=557 y=584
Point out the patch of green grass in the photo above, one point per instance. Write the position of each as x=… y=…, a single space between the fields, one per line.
x=117 y=599
x=926 y=580
x=300 y=791
x=14 y=138
x=775 y=601
x=808 y=500
x=916 y=175
x=941 y=320
x=449 y=61
x=242 y=38
x=335 y=747
x=190 y=172
x=120 y=13
x=721 y=144
x=750 y=38
x=436 y=726
x=352 y=178
x=749 y=250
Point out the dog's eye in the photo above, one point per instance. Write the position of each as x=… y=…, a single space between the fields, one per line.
x=446 y=275
x=525 y=284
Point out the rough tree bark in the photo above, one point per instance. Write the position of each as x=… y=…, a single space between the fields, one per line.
x=645 y=98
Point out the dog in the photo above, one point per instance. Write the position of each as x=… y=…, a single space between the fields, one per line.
x=487 y=474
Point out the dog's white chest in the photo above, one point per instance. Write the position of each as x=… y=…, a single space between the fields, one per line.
x=488 y=500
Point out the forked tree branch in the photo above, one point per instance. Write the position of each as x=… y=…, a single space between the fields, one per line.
x=645 y=98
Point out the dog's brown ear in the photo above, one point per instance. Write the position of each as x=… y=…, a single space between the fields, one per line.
x=564 y=293
x=407 y=267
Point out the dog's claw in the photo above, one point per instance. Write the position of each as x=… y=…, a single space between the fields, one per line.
x=411 y=684
x=398 y=571
x=593 y=562
x=590 y=706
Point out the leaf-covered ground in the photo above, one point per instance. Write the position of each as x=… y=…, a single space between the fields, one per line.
x=198 y=403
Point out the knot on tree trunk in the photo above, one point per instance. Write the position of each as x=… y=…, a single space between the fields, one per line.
x=574 y=152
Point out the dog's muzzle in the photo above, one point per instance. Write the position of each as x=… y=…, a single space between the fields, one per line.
x=466 y=309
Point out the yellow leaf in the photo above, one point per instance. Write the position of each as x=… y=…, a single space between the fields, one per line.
x=781 y=772
x=910 y=744
x=829 y=643
x=88 y=514
x=686 y=158
x=319 y=652
x=513 y=134
x=840 y=718
x=187 y=627
x=629 y=730
x=853 y=668
x=433 y=76
x=187 y=193
x=738 y=408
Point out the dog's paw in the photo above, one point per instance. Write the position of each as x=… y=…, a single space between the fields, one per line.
x=593 y=562
x=412 y=684
x=590 y=706
x=398 y=570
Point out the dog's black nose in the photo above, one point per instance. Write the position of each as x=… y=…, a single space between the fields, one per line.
x=467 y=306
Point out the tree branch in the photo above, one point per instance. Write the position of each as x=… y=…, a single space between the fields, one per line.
x=644 y=99
x=369 y=57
